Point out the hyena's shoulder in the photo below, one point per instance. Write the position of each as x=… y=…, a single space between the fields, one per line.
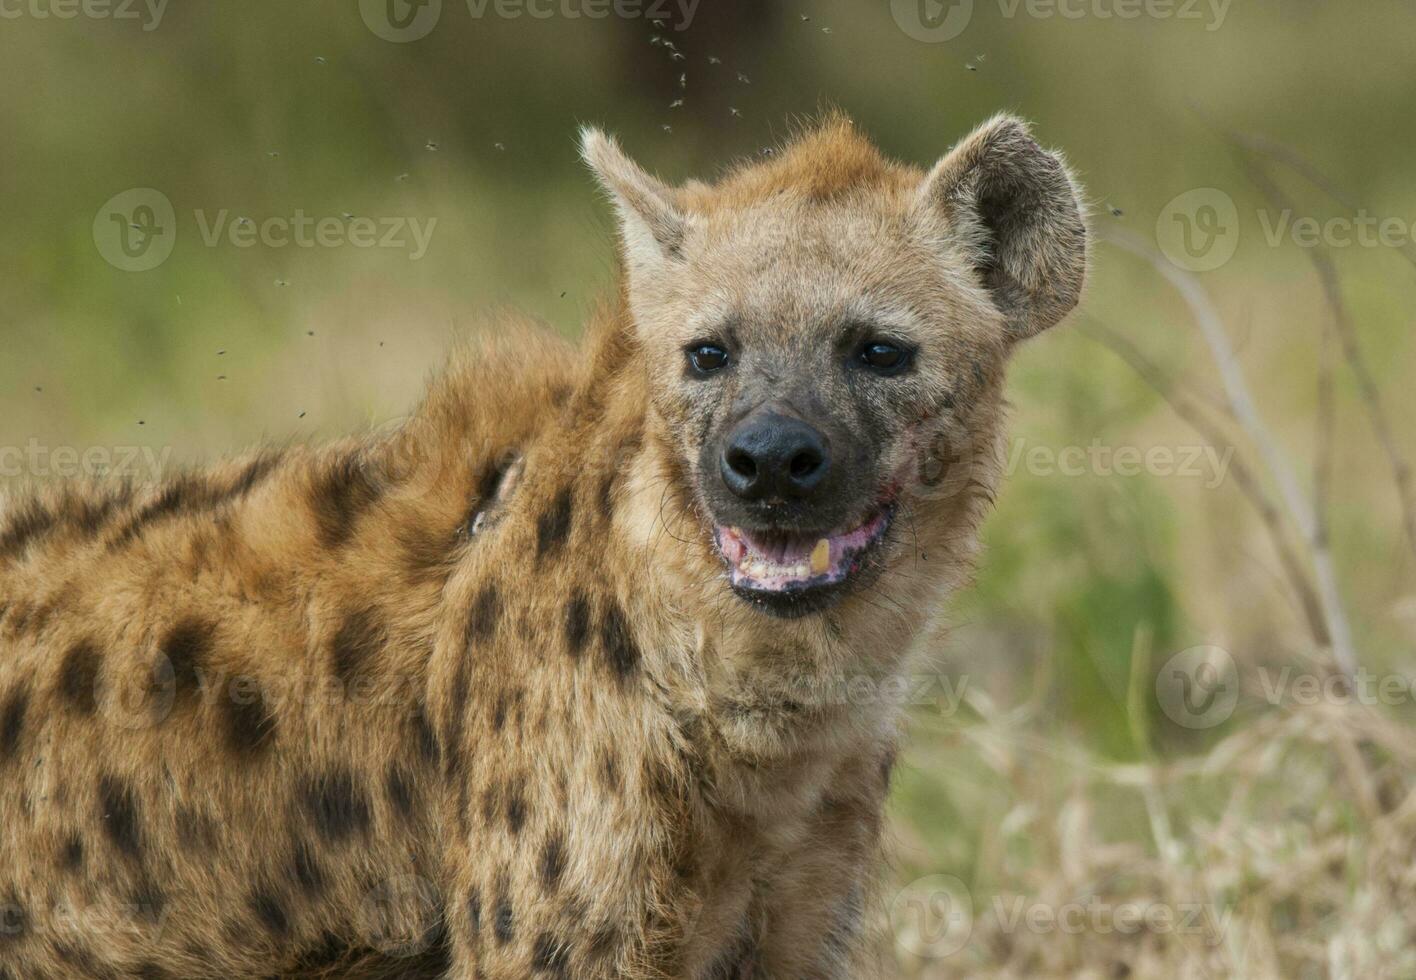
x=182 y=658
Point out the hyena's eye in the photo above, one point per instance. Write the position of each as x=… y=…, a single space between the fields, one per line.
x=707 y=358
x=885 y=357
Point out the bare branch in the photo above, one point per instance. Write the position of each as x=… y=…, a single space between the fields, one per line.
x=1347 y=336
x=1246 y=413
x=1189 y=409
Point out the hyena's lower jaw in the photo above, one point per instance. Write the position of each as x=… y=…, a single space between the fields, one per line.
x=795 y=573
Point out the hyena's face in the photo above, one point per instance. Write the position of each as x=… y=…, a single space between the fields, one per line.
x=824 y=329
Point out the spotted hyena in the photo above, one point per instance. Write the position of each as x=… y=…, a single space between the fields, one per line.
x=561 y=677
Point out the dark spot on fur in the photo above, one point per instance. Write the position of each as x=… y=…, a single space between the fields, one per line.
x=620 y=649
x=400 y=791
x=553 y=862
x=336 y=806
x=424 y=738
x=195 y=831
x=12 y=724
x=31 y=520
x=499 y=712
x=306 y=871
x=482 y=620
x=474 y=911
x=607 y=498
x=553 y=527
x=456 y=719
x=254 y=474
x=270 y=913
x=151 y=971
x=78 y=678
x=504 y=925
x=550 y=956
x=250 y=726
x=14 y=922
x=344 y=492
x=176 y=497
x=358 y=642
x=148 y=900
x=609 y=771
x=71 y=854
x=90 y=516
x=118 y=815
x=603 y=942
x=577 y=624
x=515 y=807
x=186 y=648
x=328 y=954
x=191 y=494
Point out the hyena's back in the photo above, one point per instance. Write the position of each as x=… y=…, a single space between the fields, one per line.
x=214 y=756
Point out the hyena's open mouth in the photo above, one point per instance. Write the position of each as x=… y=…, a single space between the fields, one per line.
x=793 y=573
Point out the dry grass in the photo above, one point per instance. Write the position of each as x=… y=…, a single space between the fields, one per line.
x=1285 y=851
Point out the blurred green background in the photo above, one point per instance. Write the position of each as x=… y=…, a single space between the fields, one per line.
x=1089 y=582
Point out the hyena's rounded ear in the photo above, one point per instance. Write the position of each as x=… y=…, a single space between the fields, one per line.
x=652 y=224
x=1018 y=214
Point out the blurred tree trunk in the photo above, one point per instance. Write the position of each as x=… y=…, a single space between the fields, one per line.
x=739 y=34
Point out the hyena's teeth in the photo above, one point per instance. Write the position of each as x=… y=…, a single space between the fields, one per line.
x=821 y=557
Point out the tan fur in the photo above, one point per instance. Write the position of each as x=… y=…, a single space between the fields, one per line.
x=583 y=755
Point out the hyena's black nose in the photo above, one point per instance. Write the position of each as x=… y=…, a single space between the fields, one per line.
x=771 y=455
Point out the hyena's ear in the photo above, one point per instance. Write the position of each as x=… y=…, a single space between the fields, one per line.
x=651 y=222
x=1019 y=215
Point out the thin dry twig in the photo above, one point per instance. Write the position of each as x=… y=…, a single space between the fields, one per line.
x=1246 y=413
x=1342 y=321
x=1188 y=408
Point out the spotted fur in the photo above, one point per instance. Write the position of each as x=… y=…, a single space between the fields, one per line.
x=471 y=699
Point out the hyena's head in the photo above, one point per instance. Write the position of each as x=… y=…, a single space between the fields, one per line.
x=825 y=331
